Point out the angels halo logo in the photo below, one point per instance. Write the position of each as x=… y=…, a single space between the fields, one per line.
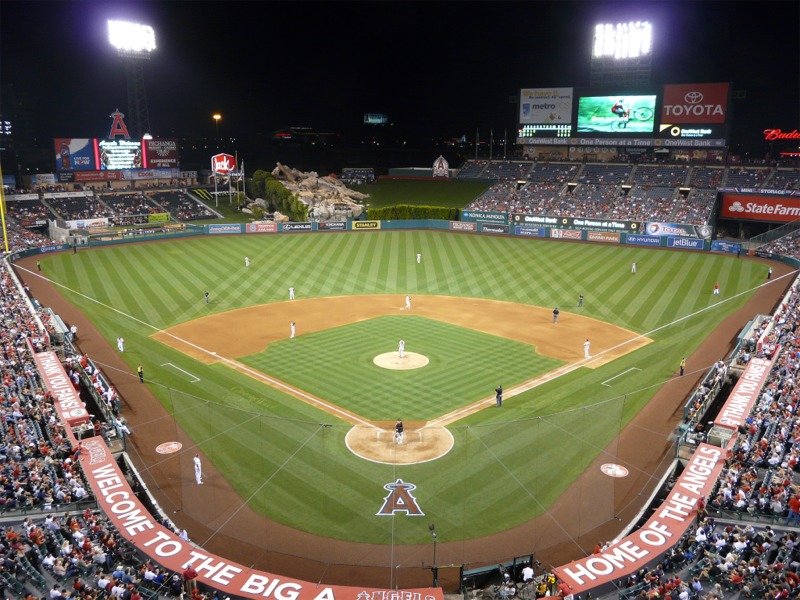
x=400 y=500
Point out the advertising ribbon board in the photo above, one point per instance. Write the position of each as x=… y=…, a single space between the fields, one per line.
x=482 y=216
x=741 y=400
x=68 y=402
x=135 y=524
x=366 y=225
x=760 y=208
x=661 y=532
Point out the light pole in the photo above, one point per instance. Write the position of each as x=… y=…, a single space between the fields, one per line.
x=435 y=569
x=216 y=118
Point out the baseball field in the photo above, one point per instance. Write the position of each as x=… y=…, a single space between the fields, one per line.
x=302 y=429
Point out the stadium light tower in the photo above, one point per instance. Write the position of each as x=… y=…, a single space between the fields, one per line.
x=622 y=54
x=134 y=43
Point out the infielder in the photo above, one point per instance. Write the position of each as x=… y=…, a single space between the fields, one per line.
x=398 y=431
x=198 y=469
x=586 y=349
x=408 y=302
x=291 y=293
x=292 y=327
x=401 y=348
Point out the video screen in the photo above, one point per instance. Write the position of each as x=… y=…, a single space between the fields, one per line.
x=119 y=154
x=616 y=114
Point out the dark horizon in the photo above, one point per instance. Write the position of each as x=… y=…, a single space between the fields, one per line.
x=438 y=69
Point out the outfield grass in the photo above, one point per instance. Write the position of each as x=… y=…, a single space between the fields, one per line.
x=507 y=466
x=452 y=194
x=454 y=377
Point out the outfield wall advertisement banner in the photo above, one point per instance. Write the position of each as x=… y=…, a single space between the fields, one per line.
x=163 y=547
x=602 y=236
x=723 y=246
x=531 y=231
x=577 y=223
x=481 y=216
x=661 y=532
x=223 y=229
x=545 y=106
x=685 y=243
x=263 y=227
x=331 y=226
x=492 y=228
x=566 y=234
x=695 y=103
x=293 y=227
x=759 y=208
x=361 y=225
x=463 y=226
x=642 y=240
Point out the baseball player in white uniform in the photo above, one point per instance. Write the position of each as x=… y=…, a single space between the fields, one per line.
x=586 y=349
x=291 y=293
x=292 y=327
x=120 y=344
x=198 y=470
x=408 y=302
x=419 y=258
x=246 y=261
x=401 y=348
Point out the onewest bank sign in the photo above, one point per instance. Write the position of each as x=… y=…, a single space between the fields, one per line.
x=776 y=209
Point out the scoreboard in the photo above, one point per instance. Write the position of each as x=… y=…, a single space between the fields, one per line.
x=94 y=154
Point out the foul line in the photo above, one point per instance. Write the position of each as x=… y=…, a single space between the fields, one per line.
x=196 y=379
x=605 y=383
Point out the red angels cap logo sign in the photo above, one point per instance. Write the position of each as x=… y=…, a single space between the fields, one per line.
x=223 y=164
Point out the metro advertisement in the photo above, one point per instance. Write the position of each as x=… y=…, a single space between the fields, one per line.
x=760 y=208
x=695 y=103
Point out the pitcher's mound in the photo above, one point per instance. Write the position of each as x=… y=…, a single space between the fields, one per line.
x=392 y=360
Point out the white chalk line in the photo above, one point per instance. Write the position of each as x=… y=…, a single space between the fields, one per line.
x=196 y=379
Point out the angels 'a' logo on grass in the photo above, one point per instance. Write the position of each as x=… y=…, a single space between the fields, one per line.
x=400 y=500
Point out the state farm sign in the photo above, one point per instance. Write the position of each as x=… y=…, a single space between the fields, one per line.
x=223 y=164
x=760 y=208
x=695 y=103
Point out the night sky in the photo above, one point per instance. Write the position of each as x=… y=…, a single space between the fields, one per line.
x=437 y=68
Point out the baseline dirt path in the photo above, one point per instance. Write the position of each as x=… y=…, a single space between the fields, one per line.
x=567 y=531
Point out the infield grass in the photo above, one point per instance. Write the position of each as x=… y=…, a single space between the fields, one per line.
x=289 y=459
x=454 y=377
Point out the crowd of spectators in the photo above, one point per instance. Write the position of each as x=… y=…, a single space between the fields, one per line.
x=784 y=179
x=788 y=245
x=28 y=210
x=181 y=206
x=127 y=204
x=74 y=208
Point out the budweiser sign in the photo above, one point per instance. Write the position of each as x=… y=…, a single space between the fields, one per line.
x=223 y=164
x=778 y=134
x=695 y=103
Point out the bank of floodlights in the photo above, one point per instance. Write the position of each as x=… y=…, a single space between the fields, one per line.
x=132 y=40
x=622 y=40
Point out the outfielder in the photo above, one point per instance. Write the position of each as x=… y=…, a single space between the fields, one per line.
x=120 y=344
x=419 y=258
x=198 y=469
x=246 y=261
